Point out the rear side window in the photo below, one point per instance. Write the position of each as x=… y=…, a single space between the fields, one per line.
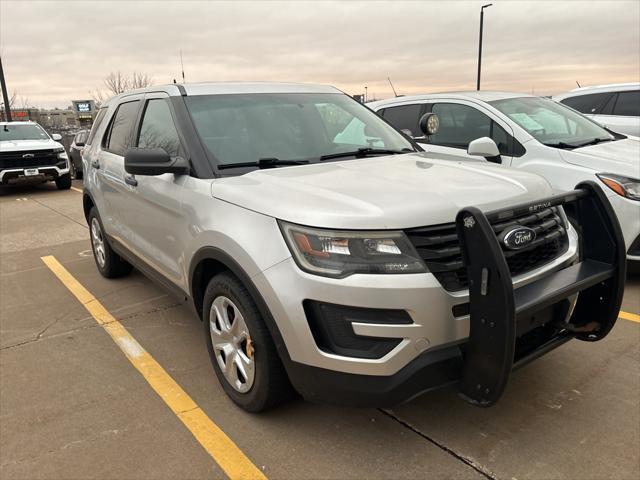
x=157 y=129
x=120 y=134
x=405 y=117
x=96 y=124
x=628 y=104
x=589 y=104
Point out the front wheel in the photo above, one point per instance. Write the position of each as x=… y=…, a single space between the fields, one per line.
x=240 y=347
x=63 y=182
x=109 y=263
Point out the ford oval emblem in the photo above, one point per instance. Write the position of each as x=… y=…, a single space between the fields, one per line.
x=518 y=237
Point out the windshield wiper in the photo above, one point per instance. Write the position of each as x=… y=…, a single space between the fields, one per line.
x=571 y=146
x=263 y=163
x=364 y=152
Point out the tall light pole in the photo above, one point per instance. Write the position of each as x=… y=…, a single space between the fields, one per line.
x=480 y=43
x=5 y=95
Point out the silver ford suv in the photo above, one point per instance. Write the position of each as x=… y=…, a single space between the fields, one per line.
x=328 y=255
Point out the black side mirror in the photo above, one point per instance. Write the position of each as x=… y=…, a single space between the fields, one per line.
x=153 y=161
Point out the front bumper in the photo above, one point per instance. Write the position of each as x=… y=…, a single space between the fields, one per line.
x=435 y=348
x=45 y=174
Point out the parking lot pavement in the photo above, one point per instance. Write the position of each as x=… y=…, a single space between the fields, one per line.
x=73 y=406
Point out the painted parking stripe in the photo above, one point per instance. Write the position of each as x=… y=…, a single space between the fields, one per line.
x=79 y=190
x=221 y=448
x=629 y=316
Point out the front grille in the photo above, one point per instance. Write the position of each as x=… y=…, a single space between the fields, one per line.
x=439 y=247
x=41 y=158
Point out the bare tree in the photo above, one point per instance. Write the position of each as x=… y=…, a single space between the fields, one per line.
x=117 y=82
x=12 y=100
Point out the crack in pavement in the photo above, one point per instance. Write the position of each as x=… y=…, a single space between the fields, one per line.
x=40 y=336
x=93 y=438
x=60 y=213
x=485 y=472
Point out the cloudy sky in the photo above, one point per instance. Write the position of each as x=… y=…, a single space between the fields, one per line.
x=55 y=51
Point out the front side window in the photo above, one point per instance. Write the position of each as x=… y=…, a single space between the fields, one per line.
x=628 y=104
x=405 y=117
x=120 y=135
x=241 y=128
x=552 y=123
x=461 y=124
x=157 y=129
x=96 y=124
x=10 y=132
x=589 y=104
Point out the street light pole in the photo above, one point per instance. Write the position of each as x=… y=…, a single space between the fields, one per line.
x=480 y=43
x=5 y=95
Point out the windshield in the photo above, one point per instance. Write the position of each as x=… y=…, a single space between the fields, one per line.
x=22 y=132
x=289 y=127
x=551 y=123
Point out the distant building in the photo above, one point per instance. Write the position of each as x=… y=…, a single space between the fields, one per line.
x=79 y=115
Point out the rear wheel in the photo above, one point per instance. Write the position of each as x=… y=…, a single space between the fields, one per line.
x=109 y=263
x=243 y=355
x=63 y=182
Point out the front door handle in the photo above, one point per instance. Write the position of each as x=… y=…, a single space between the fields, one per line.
x=131 y=180
x=95 y=164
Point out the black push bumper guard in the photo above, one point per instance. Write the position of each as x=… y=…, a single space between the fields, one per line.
x=496 y=308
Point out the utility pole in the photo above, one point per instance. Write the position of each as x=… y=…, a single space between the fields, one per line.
x=480 y=43
x=5 y=95
x=365 y=95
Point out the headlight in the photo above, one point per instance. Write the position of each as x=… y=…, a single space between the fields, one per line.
x=63 y=155
x=342 y=253
x=624 y=186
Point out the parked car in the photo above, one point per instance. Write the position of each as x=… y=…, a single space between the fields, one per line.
x=534 y=134
x=75 y=153
x=615 y=106
x=29 y=155
x=355 y=274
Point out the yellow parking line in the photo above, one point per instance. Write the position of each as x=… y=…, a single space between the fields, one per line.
x=221 y=448
x=79 y=190
x=629 y=316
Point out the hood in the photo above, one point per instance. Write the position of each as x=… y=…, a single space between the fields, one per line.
x=20 y=145
x=621 y=157
x=388 y=192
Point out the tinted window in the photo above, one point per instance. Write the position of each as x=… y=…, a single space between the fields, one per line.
x=405 y=117
x=121 y=132
x=628 y=104
x=96 y=124
x=461 y=124
x=158 y=129
x=589 y=104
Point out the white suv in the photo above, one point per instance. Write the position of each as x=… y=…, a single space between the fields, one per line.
x=533 y=134
x=615 y=106
x=341 y=261
x=29 y=154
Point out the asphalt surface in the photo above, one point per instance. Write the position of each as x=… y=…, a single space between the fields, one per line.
x=72 y=406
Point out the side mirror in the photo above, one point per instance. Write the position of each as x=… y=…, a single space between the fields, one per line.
x=153 y=161
x=484 y=147
x=429 y=124
x=56 y=137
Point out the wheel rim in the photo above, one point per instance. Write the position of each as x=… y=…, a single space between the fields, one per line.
x=98 y=242
x=232 y=344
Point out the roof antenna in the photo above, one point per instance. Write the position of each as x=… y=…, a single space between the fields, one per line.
x=578 y=83
x=182 y=65
x=394 y=90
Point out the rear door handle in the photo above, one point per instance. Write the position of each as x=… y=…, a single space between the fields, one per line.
x=131 y=180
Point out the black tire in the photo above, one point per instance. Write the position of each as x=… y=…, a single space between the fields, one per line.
x=114 y=265
x=63 y=182
x=271 y=385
